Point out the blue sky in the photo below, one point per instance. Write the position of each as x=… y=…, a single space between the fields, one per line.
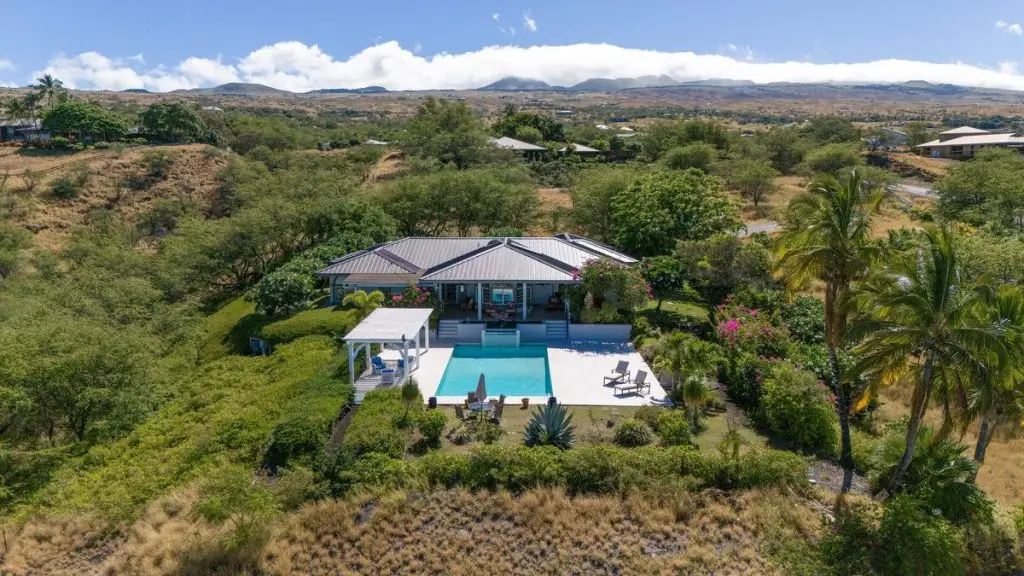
x=116 y=43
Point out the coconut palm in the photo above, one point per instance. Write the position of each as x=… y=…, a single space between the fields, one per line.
x=48 y=87
x=363 y=302
x=690 y=362
x=827 y=239
x=926 y=323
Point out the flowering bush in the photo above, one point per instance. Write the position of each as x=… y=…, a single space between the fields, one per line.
x=748 y=330
x=413 y=297
x=608 y=293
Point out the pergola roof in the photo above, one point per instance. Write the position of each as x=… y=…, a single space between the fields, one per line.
x=390 y=325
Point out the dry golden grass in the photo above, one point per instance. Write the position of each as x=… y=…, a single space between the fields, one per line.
x=192 y=177
x=386 y=168
x=1002 y=475
x=62 y=545
x=554 y=204
x=540 y=532
x=930 y=168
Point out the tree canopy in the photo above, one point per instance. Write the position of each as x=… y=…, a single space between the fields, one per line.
x=659 y=209
x=84 y=119
x=173 y=122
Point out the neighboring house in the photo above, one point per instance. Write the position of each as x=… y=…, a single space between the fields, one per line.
x=475 y=278
x=528 y=150
x=580 y=149
x=565 y=113
x=212 y=109
x=19 y=130
x=372 y=142
x=963 y=142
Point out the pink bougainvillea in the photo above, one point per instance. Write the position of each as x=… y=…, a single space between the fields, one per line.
x=747 y=329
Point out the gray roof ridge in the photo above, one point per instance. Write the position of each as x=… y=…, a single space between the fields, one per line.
x=398 y=261
x=568 y=238
x=540 y=257
x=492 y=244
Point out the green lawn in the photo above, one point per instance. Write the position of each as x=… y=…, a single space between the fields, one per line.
x=689 y=310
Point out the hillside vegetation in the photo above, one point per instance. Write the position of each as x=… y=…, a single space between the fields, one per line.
x=140 y=434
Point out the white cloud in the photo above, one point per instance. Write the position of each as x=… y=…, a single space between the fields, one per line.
x=496 y=17
x=1008 y=28
x=1008 y=67
x=745 y=52
x=299 y=67
x=6 y=64
x=529 y=22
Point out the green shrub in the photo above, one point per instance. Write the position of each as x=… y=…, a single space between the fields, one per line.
x=1018 y=519
x=632 y=432
x=673 y=428
x=650 y=415
x=805 y=318
x=513 y=468
x=378 y=470
x=776 y=468
x=744 y=373
x=60 y=143
x=301 y=431
x=282 y=292
x=830 y=158
x=592 y=470
x=66 y=188
x=431 y=426
x=445 y=469
x=102 y=145
x=698 y=155
x=796 y=406
x=374 y=427
x=320 y=321
x=913 y=541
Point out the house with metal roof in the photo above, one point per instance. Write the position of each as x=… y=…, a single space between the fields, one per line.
x=965 y=141
x=510 y=279
x=12 y=130
x=579 y=149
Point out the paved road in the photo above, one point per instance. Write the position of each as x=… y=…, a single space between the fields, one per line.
x=769 y=227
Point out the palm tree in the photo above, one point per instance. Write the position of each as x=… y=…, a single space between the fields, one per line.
x=15 y=109
x=996 y=397
x=48 y=87
x=925 y=322
x=827 y=239
x=363 y=302
x=690 y=362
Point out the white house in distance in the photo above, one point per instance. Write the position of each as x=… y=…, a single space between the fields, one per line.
x=963 y=142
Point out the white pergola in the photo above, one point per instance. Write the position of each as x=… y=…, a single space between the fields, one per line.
x=395 y=327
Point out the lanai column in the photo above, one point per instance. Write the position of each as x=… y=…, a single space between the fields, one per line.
x=479 y=300
x=351 y=364
x=524 y=300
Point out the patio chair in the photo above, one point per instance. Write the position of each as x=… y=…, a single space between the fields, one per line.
x=620 y=375
x=387 y=377
x=637 y=385
x=378 y=365
x=459 y=413
x=470 y=397
x=498 y=409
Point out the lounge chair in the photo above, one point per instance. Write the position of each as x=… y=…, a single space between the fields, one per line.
x=378 y=365
x=620 y=375
x=459 y=413
x=637 y=385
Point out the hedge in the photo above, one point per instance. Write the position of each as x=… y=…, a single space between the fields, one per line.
x=300 y=435
x=317 y=322
x=600 y=469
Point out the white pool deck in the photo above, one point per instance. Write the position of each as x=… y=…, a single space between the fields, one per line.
x=577 y=374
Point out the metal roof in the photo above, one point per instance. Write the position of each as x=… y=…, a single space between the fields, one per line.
x=598 y=248
x=364 y=263
x=513 y=144
x=559 y=249
x=427 y=253
x=500 y=264
x=965 y=130
x=390 y=325
x=579 y=148
x=979 y=139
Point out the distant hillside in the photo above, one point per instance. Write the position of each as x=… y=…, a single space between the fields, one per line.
x=512 y=83
x=136 y=91
x=236 y=89
x=613 y=84
x=363 y=90
x=916 y=91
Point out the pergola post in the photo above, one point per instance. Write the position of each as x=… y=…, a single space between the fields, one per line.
x=479 y=300
x=426 y=335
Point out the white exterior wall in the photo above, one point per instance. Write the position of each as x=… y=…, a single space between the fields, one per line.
x=600 y=332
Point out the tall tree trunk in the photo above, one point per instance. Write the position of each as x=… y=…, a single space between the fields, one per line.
x=918 y=406
x=843 y=410
x=985 y=434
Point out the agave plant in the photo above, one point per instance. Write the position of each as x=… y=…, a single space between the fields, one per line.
x=550 y=425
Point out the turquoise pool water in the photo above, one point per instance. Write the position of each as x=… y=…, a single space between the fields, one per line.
x=519 y=371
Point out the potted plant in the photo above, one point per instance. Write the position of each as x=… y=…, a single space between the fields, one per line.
x=526 y=403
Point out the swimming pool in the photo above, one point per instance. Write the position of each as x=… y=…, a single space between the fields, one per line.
x=519 y=371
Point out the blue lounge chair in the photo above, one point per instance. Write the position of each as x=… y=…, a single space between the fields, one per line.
x=378 y=365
